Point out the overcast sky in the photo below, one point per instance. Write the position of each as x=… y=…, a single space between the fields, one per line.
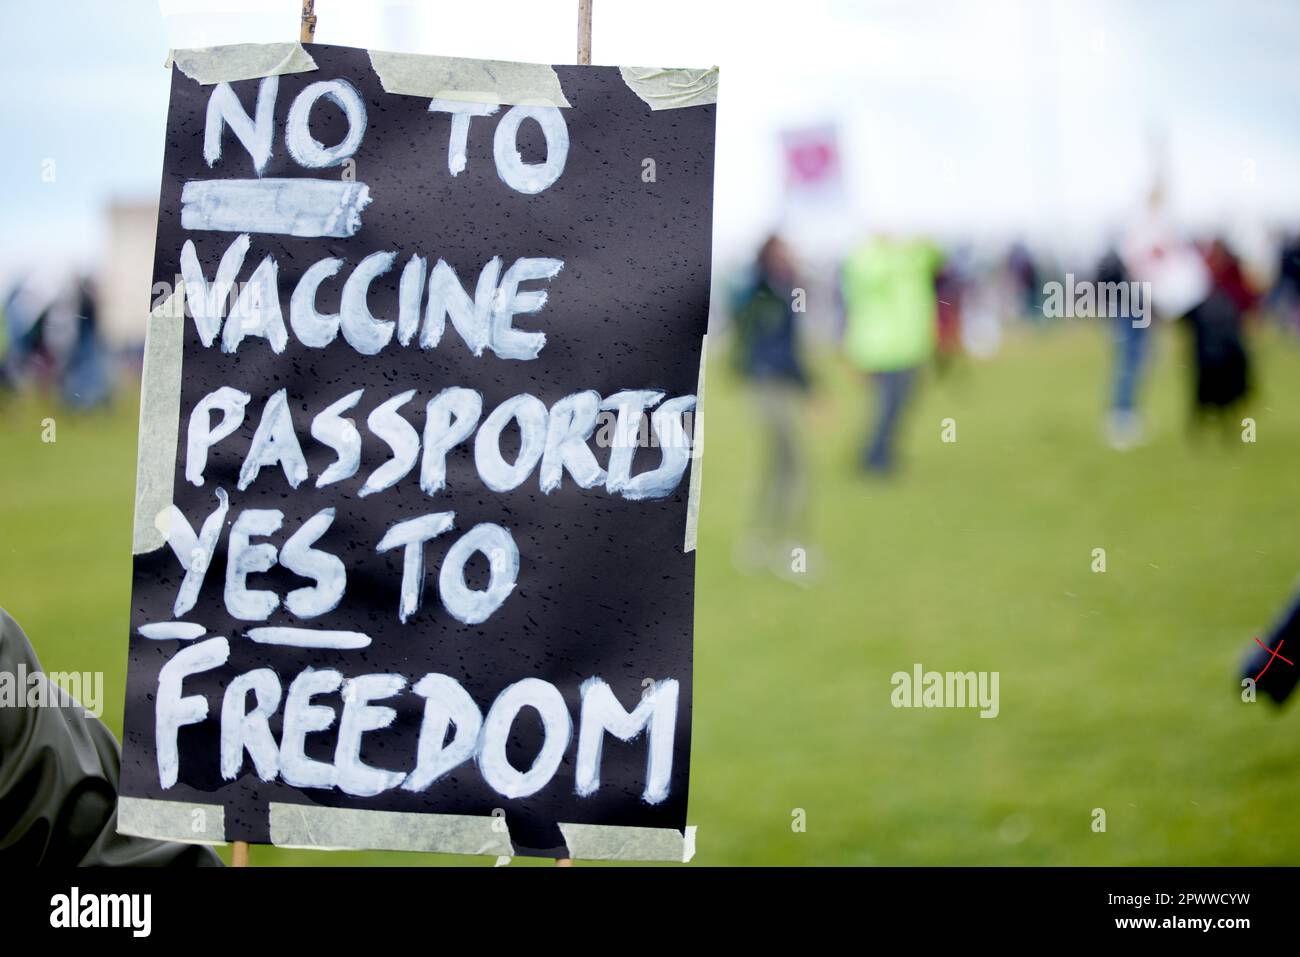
x=1006 y=115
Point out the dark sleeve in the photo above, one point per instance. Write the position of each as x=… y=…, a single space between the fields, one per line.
x=1277 y=679
x=58 y=779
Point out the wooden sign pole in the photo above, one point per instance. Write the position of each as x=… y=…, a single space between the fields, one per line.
x=584 y=32
x=308 y=31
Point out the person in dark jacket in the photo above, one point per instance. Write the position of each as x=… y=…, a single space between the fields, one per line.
x=1132 y=345
x=59 y=771
x=766 y=354
x=1222 y=377
x=1285 y=295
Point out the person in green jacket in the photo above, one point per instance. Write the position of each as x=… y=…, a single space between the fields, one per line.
x=891 y=313
x=59 y=769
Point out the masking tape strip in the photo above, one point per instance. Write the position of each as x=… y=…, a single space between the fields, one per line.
x=333 y=828
x=241 y=61
x=697 y=453
x=609 y=842
x=171 y=820
x=471 y=81
x=160 y=409
x=337 y=828
x=672 y=89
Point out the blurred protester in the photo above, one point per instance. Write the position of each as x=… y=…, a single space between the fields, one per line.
x=949 y=288
x=1022 y=271
x=28 y=358
x=1174 y=276
x=891 y=316
x=1285 y=295
x=767 y=355
x=1155 y=252
x=1222 y=368
x=984 y=305
x=1132 y=343
x=85 y=381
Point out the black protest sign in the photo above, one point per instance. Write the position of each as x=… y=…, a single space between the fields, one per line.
x=424 y=548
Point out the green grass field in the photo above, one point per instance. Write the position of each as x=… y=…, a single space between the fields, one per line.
x=1118 y=690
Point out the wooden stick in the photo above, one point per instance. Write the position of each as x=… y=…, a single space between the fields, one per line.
x=239 y=854
x=308 y=32
x=584 y=32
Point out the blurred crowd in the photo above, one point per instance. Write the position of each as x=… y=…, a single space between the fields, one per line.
x=904 y=304
x=50 y=340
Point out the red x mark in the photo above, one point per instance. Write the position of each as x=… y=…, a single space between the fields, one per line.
x=1272 y=654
